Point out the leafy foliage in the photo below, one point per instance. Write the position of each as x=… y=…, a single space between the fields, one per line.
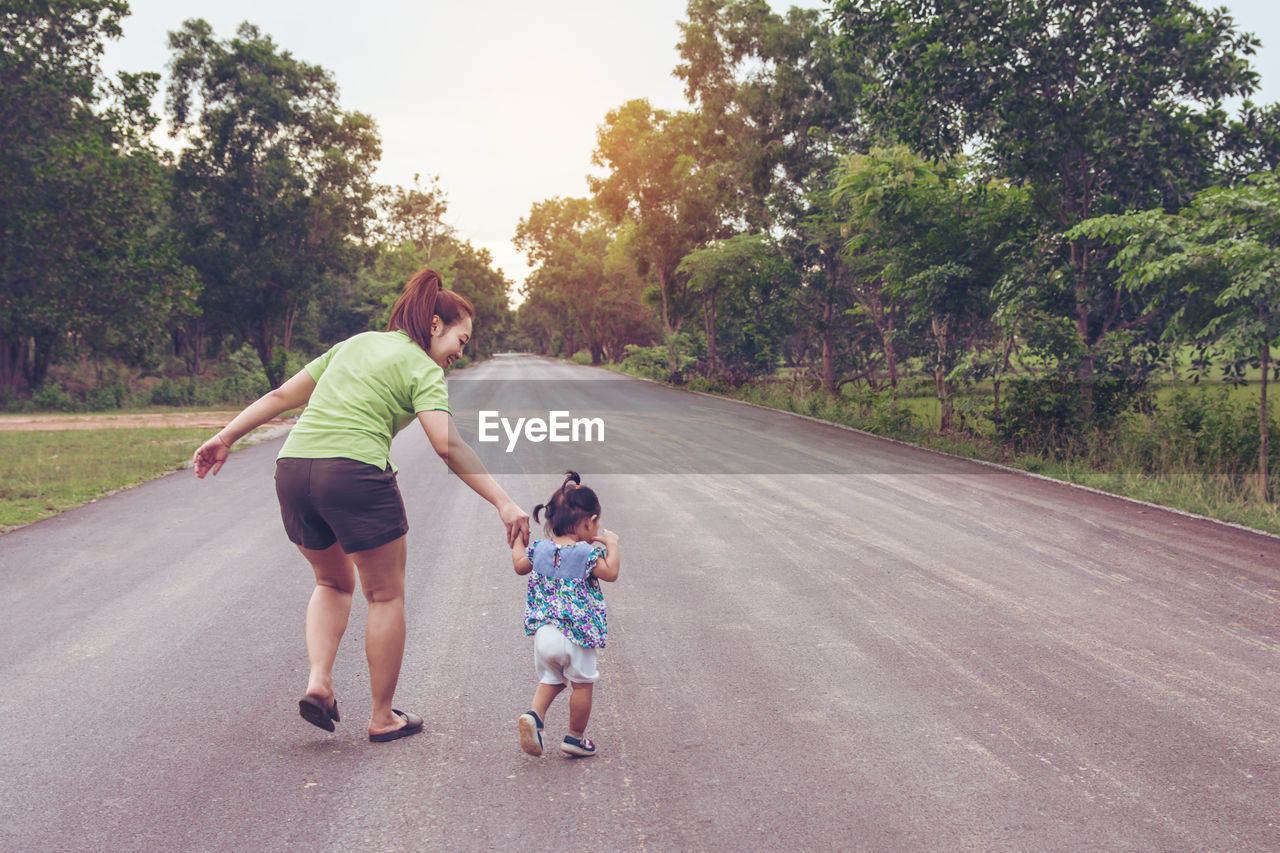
x=274 y=184
x=87 y=256
x=745 y=287
x=1096 y=107
x=1219 y=260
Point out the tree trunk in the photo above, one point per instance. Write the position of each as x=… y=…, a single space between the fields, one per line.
x=995 y=382
x=266 y=347
x=834 y=283
x=710 y=317
x=195 y=343
x=890 y=355
x=1264 y=436
x=290 y=314
x=37 y=365
x=1079 y=261
x=13 y=358
x=670 y=329
x=594 y=345
x=941 y=333
x=828 y=346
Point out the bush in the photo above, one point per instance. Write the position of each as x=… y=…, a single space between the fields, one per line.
x=53 y=397
x=10 y=402
x=652 y=362
x=882 y=413
x=106 y=397
x=1223 y=433
x=169 y=392
x=708 y=384
x=1046 y=411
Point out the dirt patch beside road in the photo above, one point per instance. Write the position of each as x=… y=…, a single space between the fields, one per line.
x=193 y=420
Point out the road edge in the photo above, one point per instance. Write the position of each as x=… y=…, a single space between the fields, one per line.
x=996 y=465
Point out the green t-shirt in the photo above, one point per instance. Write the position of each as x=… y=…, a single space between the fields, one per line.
x=368 y=388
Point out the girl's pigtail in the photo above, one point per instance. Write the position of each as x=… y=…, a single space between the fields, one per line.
x=570 y=503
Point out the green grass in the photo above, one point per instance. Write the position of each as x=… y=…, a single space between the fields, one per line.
x=1127 y=464
x=44 y=473
x=1187 y=490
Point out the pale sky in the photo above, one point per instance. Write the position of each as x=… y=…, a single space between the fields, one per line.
x=501 y=99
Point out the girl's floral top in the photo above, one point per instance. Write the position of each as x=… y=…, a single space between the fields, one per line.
x=563 y=592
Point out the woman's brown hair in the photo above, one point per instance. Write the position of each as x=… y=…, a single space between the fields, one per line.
x=424 y=297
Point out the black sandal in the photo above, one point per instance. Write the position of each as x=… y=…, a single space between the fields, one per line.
x=314 y=712
x=412 y=725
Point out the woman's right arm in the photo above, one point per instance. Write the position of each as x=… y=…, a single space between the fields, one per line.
x=462 y=460
x=295 y=392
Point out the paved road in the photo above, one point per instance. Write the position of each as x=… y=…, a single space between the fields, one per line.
x=819 y=641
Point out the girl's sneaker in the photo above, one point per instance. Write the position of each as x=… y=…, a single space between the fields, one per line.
x=578 y=747
x=529 y=727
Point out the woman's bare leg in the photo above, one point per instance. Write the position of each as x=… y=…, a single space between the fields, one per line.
x=327 y=614
x=382 y=580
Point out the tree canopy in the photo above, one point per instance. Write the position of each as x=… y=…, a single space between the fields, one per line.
x=274 y=185
x=86 y=252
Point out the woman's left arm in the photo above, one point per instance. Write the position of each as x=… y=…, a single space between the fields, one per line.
x=295 y=392
x=463 y=461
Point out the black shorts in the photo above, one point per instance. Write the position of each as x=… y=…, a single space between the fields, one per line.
x=342 y=500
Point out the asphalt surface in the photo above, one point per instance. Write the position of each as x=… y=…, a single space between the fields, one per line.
x=820 y=640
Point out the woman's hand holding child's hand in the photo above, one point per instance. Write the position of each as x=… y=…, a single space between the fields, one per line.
x=516 y=521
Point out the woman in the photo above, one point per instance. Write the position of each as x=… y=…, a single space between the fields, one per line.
x=337 y=489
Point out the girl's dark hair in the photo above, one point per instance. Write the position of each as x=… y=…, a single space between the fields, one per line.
x=424 y=297
x=571 y=503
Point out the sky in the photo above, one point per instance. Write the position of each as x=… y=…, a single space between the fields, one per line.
x=500 y=99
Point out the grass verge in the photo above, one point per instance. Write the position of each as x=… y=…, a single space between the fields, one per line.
x=44 y=473
x=1168 y=477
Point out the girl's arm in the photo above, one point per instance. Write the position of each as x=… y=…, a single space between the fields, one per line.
x=607 y=566
x=520 y=559
x=295 y=392
x=462 y=460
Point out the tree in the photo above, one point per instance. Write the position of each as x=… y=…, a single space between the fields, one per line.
x=274 y=189
x=777 y=88
x=1095 y=106
x=935 y=233
x=666 y=177
x=780 y=93
x=86 y=252
x=566 y=241
x=744 y=286
x=470 y=271
x=416 y=215
x=1217 y=263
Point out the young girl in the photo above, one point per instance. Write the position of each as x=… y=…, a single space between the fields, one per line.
x=565 y=611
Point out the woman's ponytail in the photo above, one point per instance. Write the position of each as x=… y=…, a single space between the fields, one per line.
x=416 y=306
